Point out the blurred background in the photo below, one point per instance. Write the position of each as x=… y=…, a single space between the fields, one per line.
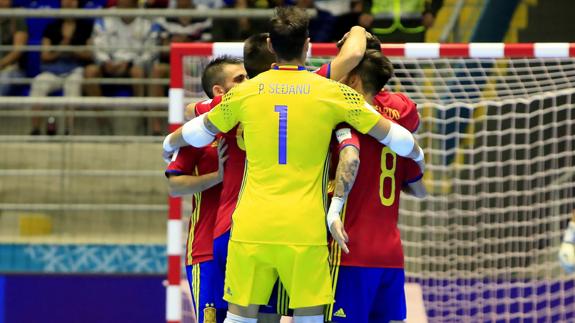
x=83 y=199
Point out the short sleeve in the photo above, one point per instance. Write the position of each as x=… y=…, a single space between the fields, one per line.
x=225 y=115
x=324 y=70
x=207 y=105
x=357 y=112
x=413 y=172
x=345 y=137
x=183 y=162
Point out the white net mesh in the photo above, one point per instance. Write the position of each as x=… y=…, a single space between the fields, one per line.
x=499 y=136
x=469 y=80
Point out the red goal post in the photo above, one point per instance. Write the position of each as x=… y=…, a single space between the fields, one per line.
x=409 y=50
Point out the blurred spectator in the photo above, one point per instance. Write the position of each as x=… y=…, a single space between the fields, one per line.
x=335 y=7
x=13 y=31
x=156 y=3
x=175 y=30
x=212 y=4
x=399 y=20
x=62 y=70
x=346 y=21
x=320 y=27
x=242 y=28
x=144 y=3
x=123 y=48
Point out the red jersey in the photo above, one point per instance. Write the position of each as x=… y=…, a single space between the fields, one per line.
x=233 y=171
x=398 y=108
x=372 y=208
x=199 y=161
x=324 y=70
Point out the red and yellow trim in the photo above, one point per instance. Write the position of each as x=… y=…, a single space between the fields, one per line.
x=288 y=67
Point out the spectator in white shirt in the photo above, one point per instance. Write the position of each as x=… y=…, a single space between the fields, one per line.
x=123 y=48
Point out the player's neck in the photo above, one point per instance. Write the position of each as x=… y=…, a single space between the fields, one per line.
x=290 y=62
x=368 y=98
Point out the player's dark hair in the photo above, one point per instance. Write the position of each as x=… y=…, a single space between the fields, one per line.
x=213 y=73
x=374 y=70
x=288 y=32
x=257 y=56
x=370 y=43
x=373 y=43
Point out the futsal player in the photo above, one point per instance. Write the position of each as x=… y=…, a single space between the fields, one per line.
x=369 y=281
x=278 y=227
x=199 y=171
x=258 y=59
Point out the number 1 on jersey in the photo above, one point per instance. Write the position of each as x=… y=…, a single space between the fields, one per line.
x=282 y=137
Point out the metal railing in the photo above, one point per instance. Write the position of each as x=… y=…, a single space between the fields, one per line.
x=17 y=102
x=108 y=81
x=142 y=13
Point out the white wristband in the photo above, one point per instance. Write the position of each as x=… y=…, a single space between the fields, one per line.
x=334 y=210
x=166 y=144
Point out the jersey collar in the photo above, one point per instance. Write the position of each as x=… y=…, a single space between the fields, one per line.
x=288 y=67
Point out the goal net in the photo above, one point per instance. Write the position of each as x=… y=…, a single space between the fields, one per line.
x=498 y=130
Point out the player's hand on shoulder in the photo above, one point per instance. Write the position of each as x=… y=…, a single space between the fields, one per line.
x=222 y=157
x=168 y=156
x=567 y=249
x=167 y=149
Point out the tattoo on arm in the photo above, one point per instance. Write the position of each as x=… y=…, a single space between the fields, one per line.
x=346 y=171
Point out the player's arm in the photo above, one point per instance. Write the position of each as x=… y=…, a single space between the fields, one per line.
x=567 y=249
x=398 y=139
x=413 y=180
x=190 y=111
x=345 y=175
x=416 y=189
x=198 y=132
x=352 y=108
x=201 y=131
x=179 y=185
x=350 y=54
x=193 y=110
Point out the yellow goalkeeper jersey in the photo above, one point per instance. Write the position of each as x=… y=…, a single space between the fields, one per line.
x=288 y=115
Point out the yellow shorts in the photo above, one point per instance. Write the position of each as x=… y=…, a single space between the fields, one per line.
x=252 y=270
